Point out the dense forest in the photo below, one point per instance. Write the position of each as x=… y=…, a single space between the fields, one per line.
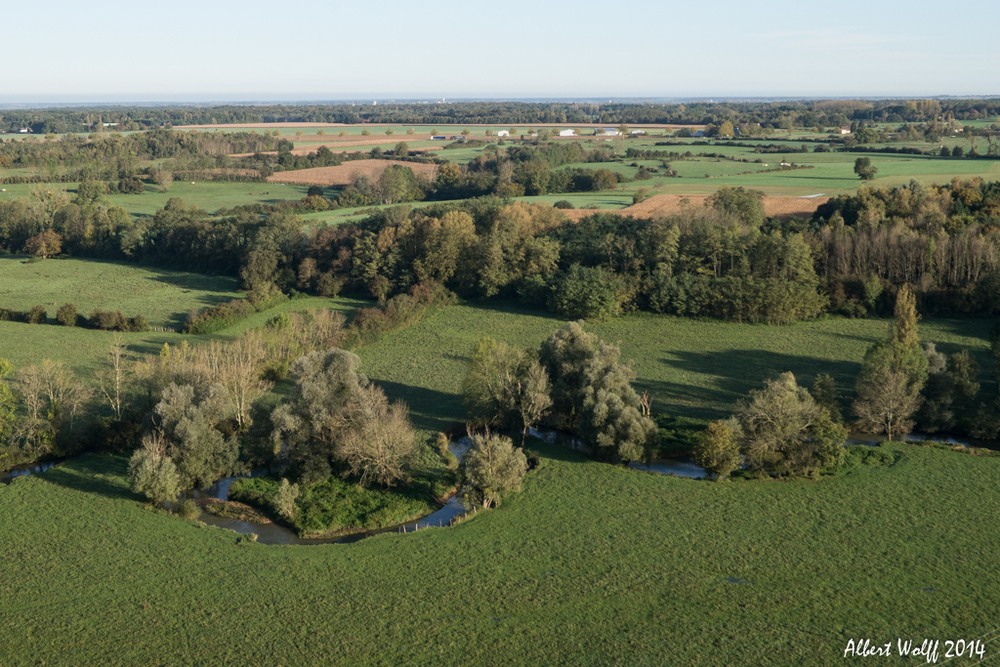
x=725 y=260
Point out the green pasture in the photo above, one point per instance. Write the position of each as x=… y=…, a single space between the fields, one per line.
x=692 y=368
x=207 y=195
x=162 y=296
x=589 y=565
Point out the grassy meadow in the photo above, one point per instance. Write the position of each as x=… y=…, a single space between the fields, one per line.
x=691 y=368
x=590 y=565
x=162 y=296
x=208 y=195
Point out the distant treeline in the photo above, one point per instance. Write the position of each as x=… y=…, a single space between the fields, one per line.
x=778 y=114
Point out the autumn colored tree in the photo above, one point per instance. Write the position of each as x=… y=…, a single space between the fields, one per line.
x=44 y=245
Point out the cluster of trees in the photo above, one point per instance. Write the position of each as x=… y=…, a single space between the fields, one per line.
x=42 y=409
x=942 y=240
x=116 y=157
x=198 y=411
x=785 y=430
x=492 y=468
x=903 y=385
x=209 y=423
x=575 y=383
x=66 y=315
x=336 y=416
x=780 y=430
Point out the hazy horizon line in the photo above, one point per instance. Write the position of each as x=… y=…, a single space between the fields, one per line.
x=367 y=100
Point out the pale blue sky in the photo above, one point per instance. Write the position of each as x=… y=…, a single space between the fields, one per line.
x=302 y=49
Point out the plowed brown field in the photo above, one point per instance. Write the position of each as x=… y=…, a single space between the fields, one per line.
x=346 y=173
x=774 y=206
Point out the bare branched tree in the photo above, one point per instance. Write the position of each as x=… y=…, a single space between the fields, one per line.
x=378 y=440
x=113 y=380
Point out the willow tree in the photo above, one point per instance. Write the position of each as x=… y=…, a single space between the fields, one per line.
x=784 y=432
x=592 y=394
x=491 y=469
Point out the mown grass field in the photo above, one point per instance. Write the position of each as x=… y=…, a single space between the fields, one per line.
x=589 y=565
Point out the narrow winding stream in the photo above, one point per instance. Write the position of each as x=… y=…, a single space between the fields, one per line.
x=272 y=533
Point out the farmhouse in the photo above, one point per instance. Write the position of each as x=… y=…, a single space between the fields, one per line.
x=567 y=133
x=606 y=132
x=845 y=130
x=503 y=133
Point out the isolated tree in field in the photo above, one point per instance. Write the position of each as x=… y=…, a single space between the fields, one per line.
x=784 y=431
x=152 y=473
x=44 y=245
x=718 y=450
x=886 y=401
x=534 y=401
x=824 y=392
x=66 y=315
x=906 y=316
x=864 y=168
x=965 y=373
x=378 y=442
x=492 y=468
x=237 y=367
x=164 y=178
